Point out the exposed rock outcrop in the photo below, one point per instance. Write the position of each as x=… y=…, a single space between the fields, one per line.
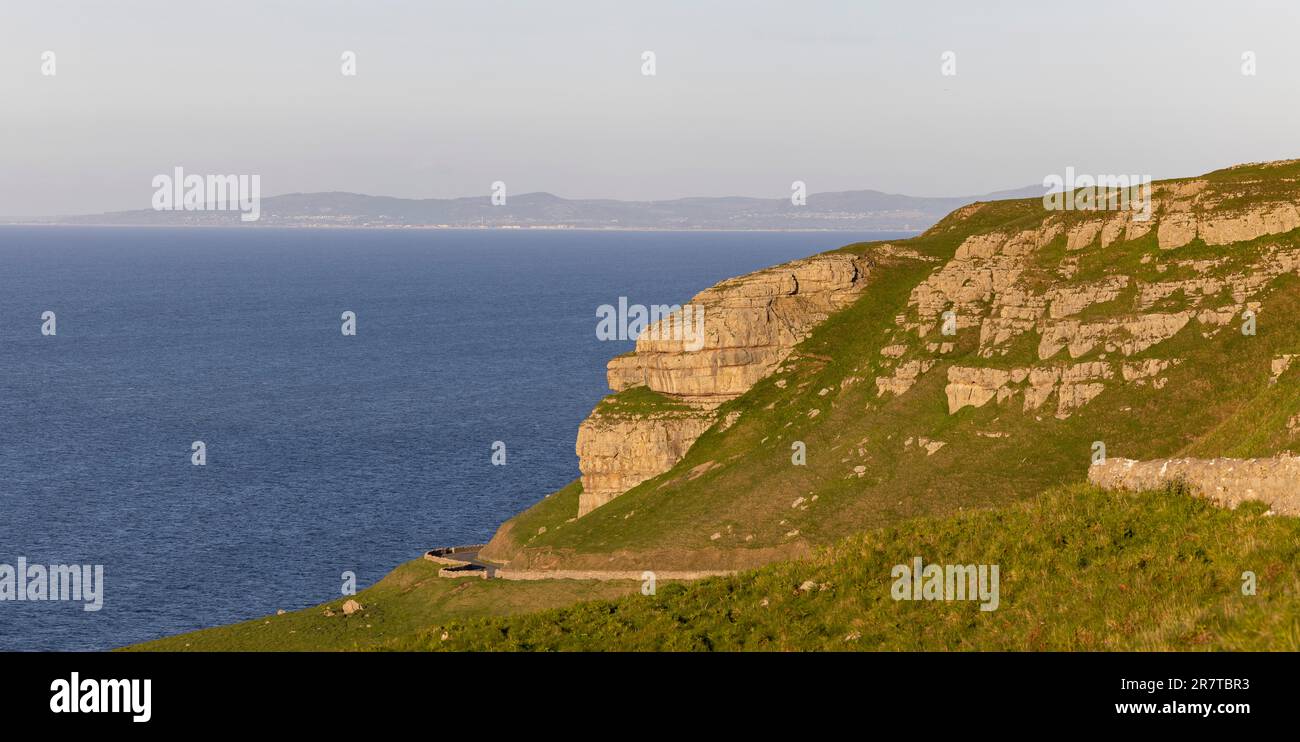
x=905 y=375
x=1074 y=385
x=1127 y=336
x=1070 y=300
x=994 y=282
x=1240 y=225
x=618 y=453
x=1000 y=282
x=750 y=325
x=1030 y=313
x=974 y=387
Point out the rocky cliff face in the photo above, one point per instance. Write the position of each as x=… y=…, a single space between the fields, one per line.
x=1077 y=298
x=750 y=325
x=1014 y=286
x=619 y=452
x=986 y=358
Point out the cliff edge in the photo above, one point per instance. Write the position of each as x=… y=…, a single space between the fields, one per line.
x=993 y=357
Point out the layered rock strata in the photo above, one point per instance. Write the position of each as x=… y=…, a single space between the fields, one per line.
x=750 y=325
x=618 y=453
x=1018 y=290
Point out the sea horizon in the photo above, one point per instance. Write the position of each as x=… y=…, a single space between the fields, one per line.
x=326 y=453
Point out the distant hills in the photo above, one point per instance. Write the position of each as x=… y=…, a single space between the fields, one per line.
x=864 y=210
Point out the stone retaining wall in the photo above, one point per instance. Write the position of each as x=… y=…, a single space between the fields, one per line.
x=446 y=555
x=593 y=574
x=1275 y=481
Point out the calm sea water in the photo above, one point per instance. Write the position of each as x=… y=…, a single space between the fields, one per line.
x=325 y=453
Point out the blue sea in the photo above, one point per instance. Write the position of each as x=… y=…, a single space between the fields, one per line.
x=325 y=453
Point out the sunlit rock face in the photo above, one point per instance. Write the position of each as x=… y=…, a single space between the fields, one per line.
x=732 y=335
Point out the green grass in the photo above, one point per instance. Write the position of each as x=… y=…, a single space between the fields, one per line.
x=639 y=401
x=1217 y=402
x=408 y=599
x=1080 y=569
x=552 y=512
x=737 y=500
x=677 y=512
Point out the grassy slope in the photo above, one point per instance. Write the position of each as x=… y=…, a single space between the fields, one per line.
x=410 y=598
x=1080 y=569
x=1218 y=402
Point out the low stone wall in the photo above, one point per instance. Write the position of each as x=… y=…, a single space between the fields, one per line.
x=446 y=556
x=465 y=570
x=1230 y=482
x=594 y=574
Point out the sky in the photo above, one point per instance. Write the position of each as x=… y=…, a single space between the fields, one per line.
x=747 y=96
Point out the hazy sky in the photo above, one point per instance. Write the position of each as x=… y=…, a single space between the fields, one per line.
x=452 y=95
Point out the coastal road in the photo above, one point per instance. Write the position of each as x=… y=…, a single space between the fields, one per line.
x=472 y=558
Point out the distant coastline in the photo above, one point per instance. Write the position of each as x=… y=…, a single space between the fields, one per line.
x=844 y=211
x=439 y=228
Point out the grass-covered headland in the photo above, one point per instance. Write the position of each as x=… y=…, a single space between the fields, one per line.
x=1079 y=569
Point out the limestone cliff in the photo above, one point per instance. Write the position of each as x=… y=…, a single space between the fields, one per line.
x=983 y=364
x=1018 y=285
x=619 y=452
x=751 y=324
x=1075 y=291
